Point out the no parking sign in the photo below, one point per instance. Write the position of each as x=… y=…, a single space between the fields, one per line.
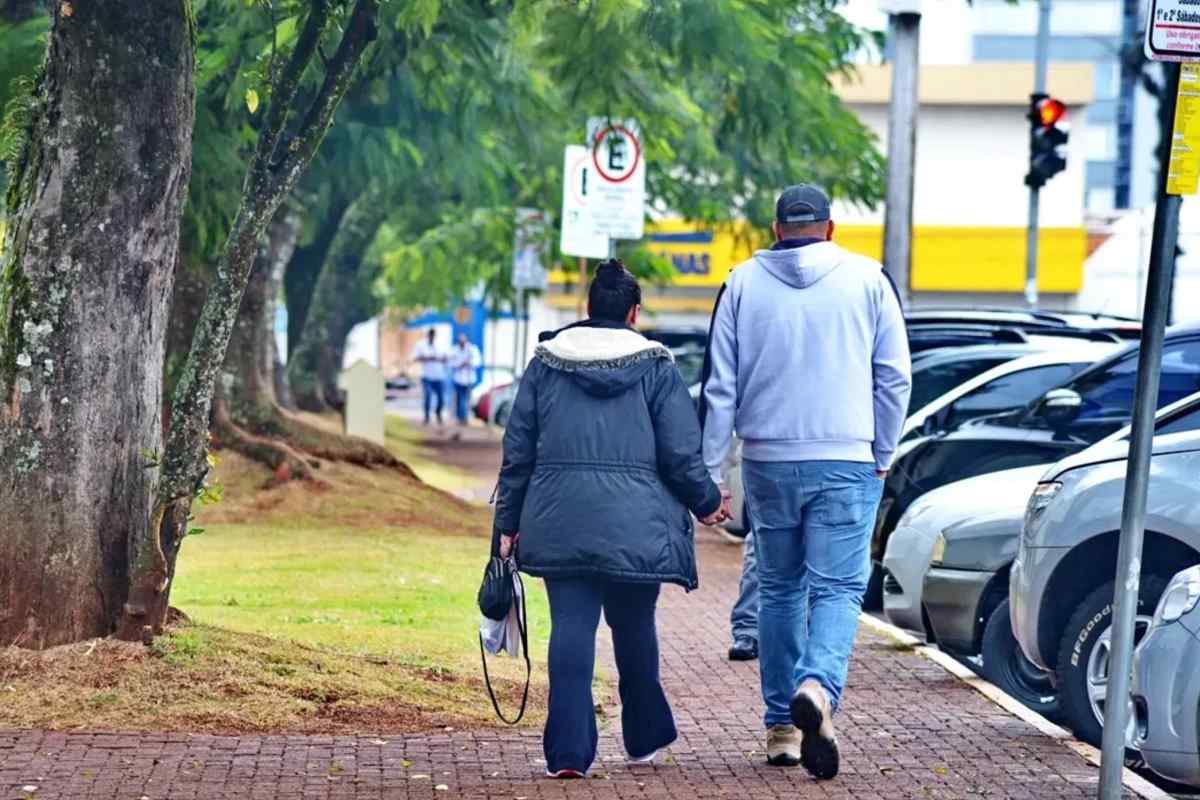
x=618 y=205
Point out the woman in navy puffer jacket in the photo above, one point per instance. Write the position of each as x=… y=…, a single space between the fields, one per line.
x=602 y=473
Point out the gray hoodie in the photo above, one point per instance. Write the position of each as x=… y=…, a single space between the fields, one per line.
x=809 y=359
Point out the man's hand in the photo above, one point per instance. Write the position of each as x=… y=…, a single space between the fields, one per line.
x=506 y=546
x=724 y=511
x=881 y=474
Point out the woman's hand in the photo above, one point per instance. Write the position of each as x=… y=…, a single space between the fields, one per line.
x=506 y=546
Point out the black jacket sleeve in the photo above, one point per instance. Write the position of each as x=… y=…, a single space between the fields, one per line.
x=677 y=439
x=520 y=458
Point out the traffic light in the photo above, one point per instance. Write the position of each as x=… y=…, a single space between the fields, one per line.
x=1047 y=139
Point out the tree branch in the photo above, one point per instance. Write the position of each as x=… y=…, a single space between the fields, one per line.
x=360 y=32
x=283 y=91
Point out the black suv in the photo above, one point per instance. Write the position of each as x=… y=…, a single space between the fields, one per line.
x=1092 y=405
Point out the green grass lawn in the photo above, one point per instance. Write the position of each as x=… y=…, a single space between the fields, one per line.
x=394 y=593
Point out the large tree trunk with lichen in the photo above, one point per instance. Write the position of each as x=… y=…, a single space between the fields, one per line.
x=313 y=367
x=85 y=284
x=282 y=155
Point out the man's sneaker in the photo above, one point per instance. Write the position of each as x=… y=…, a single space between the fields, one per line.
x=566 y=774
x=744 y=649
x=813 y=714
x=646 y=759
x=783 y=746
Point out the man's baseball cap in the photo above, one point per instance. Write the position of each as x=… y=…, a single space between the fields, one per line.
x=802 y=203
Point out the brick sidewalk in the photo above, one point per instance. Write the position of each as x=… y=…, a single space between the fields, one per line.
x=909 y=730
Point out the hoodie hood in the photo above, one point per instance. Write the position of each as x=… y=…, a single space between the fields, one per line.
x=801 y=267
x=604 y=361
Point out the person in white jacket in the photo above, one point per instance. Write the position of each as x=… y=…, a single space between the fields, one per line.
x=809 y=362
x=465 y=360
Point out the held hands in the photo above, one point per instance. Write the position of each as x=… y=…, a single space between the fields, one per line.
x=506 y=546
x=725 y=512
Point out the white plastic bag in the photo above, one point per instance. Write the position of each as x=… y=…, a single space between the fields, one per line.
x=503 y=637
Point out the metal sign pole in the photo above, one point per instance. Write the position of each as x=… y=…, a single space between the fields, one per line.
x=1137 y=476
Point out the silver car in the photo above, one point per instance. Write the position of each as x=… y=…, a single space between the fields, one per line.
x=934 y=521
x=1166 y=683
x=1061 y=585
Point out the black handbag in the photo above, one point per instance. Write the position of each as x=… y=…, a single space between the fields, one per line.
x=496 y=599
x=496 y=592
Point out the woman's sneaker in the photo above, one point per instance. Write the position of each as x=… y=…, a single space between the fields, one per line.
x=646 y=759
x=813 y=714
x=566 y=774
x=783 y=746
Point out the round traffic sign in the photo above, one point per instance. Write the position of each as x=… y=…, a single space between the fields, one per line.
x=622 y=151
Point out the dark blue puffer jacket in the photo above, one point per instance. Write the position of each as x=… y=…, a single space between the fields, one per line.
x=602 y=462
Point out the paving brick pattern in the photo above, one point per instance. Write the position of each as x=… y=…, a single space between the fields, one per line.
x=908 y=729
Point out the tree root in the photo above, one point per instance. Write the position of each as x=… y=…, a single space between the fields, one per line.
x=270 y=423
x=284 y=462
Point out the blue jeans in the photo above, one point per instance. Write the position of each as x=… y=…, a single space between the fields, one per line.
x=434 y=390
x=812 y=525
x=646 y=720
x=462 y=401
x=744 y=619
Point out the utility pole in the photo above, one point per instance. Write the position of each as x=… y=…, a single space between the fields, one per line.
x=904 y=36
x=1041 y=59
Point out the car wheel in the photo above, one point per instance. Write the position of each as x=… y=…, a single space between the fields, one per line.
x=1007 y=667
x=873 y=599
x=1083 y=658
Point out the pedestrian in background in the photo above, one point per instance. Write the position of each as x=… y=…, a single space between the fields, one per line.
x=432 y=359
x=465 y=360
x=810 y=364
x=602 y=464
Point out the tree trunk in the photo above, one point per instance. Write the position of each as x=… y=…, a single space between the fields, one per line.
x=300 y=277
x=85 y=284
x=314 y=366
x=279 y=160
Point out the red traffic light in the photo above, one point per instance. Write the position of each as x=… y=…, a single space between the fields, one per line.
x=1049 y=112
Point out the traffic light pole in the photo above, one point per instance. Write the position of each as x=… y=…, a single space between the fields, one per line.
x=1041 y=59
x=1137 y=475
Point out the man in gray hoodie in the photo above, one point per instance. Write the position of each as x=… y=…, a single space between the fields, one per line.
x=809 y=363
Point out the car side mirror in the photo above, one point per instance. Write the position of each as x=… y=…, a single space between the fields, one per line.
x=1060 y=407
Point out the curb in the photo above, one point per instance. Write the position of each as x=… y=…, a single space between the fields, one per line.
x=1132 y=781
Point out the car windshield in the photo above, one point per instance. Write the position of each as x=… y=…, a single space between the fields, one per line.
x=934 y=379
x=1108 y=393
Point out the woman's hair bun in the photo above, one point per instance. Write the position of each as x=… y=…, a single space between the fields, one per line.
x=610 y=272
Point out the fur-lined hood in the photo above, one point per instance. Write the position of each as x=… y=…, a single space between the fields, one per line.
x=604 y=358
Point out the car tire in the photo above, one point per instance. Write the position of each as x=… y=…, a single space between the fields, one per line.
x=1080 y=662
x=1007 y=667
x=873 y=598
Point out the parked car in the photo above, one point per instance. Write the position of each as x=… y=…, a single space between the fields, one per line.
x=1061 y=583
x=1166 y=683
x=1063 y=421
x=495 y=406
x=681 y=336
x=1042 y=322
x=943 y=399
x=963 y=573
x=491 y=377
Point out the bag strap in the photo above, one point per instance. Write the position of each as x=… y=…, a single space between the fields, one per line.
x=523 y=627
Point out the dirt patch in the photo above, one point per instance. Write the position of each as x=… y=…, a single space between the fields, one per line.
x=210 y=680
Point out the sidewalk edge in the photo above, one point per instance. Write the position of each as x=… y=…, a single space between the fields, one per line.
x=1131 y=780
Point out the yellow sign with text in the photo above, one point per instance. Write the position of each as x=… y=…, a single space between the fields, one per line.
x=1183 y=173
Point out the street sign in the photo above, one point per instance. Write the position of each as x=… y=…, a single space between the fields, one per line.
x=528 y=250
x=1183 y=172
x=618 y=205
x=1173 y=31
x=579 y=234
